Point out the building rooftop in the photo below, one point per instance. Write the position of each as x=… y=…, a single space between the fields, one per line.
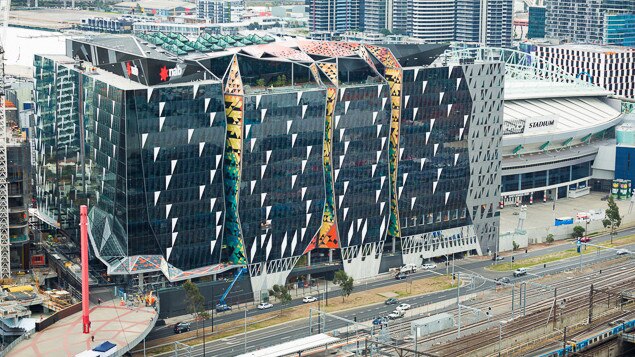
x=592 y=48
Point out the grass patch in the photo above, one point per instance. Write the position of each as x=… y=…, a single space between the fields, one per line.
x=569 y=253
x=335 y=303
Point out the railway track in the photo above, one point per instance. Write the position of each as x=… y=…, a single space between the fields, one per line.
x=537 y=313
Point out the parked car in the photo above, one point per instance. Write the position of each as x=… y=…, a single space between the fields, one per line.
x=520 y=272
x=309 y=299
x=429 y=266
x=223 y=307
x=497 y=258
x=379 y=321
x=401 y=276
x=403 y=307
x=264 y=306
x=585 y=239
x=396 y=314
x=181 y=327
x=391 y=301
x=503 y=280
x=622 y=252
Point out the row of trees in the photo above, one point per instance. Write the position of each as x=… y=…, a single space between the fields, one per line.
x=196 y=301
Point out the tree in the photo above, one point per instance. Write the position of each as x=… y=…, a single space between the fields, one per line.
x=515 y=245
x=281 y=293
x=578 y=232
x=345 y=282
x=195 y=302
x=612 y=218
x=549 y=239
x=260 y=82
x=385 y=32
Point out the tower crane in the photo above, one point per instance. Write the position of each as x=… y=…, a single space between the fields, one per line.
x=5 y=260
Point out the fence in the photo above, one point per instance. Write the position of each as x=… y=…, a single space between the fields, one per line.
x=39 y=326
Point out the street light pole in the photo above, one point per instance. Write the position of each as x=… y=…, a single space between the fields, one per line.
x=500 y=336
x=245 y=329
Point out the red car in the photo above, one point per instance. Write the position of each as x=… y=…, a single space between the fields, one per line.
x=585 y=239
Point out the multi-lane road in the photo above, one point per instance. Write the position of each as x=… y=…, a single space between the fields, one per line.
x=231 y=346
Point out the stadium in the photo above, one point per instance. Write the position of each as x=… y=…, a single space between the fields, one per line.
x=555 y=127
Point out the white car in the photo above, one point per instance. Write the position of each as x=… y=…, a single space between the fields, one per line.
x=403 y=307
x=309 y=299
x=429 y=266
x=622 y=252
x=396 y=314
x=264 y=306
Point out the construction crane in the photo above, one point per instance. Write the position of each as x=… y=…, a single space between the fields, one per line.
x=222 y=304
x=5 y=260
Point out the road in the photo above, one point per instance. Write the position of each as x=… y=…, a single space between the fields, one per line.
x=230 y=346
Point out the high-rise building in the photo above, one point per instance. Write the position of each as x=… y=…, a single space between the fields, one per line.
x=536 y=22
x=339 y=152
x=18 y=177
x=619 y=30
x=400 y=17
x=434 y=20
x=582 y=21
x=488 y=22
x=374 y=16
x=328 y=18
x=221 y=11
x=610 y=67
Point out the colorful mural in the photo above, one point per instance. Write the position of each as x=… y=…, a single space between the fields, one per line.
x=394 y=77
x=384 y=56
x=327 y=237
x=330 y=70
x=233 y=150
x=316 y=73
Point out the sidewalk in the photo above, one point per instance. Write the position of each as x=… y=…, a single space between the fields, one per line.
x=111 y=322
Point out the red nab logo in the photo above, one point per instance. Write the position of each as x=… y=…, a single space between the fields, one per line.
x=132 y=70
x=163 y=74
x=166 y=73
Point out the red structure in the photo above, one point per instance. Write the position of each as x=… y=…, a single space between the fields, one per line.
x=83 y=222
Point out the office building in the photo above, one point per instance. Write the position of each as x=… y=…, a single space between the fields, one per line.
x=583 y=21
x=610 y=67
x=536 y=22
x=199 y=163
x=619 y=30
x=221 y=11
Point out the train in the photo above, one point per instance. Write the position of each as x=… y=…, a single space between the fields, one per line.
x=579 y=346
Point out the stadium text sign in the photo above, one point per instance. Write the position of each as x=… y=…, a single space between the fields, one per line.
x=545 y=123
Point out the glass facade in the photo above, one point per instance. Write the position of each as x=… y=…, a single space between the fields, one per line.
x=538 y=180
x=619 y=29
x=190 y=168
x=434 y=166
x=537 y=16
